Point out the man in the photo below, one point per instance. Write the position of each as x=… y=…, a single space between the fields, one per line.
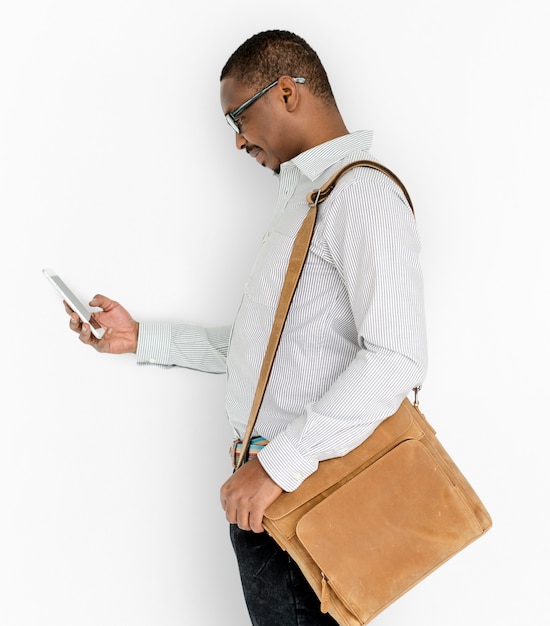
x=354 y=342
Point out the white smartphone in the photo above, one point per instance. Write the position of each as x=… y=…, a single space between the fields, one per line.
x=83 y=311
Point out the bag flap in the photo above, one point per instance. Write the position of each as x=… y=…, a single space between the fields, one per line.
x=394 y=429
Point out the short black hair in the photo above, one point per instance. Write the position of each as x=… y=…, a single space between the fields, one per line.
x=266 y=56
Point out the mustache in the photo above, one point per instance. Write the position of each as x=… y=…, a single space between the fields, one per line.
x=252 y=149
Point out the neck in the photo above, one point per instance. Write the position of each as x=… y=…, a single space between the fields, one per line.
x=324 y=130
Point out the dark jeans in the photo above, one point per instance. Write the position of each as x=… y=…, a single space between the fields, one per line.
x=275 y=590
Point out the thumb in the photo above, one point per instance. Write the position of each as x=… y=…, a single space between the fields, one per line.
x=102 y=302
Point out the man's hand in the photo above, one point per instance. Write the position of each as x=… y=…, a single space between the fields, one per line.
x=121 y=330
x=247 y=494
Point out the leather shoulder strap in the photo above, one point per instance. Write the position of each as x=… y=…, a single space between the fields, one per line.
x=294 y=270
x=322 y=194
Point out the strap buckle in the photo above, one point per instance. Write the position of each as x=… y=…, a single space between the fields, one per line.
x=314 y=203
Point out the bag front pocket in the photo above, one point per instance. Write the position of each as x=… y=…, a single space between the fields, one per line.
x=387 y=528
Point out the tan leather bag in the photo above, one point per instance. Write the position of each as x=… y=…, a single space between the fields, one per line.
x=366 y=527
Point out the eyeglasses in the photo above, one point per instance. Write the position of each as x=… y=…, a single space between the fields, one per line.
x=233 y=117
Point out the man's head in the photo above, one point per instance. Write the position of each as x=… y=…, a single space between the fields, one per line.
x=276 y=95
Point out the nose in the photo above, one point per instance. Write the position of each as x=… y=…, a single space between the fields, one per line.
x=240 y=141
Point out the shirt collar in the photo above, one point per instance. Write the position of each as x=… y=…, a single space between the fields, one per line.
x=313 y=162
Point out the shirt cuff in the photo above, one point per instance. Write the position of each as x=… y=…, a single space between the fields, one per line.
x=153 y=346
x=284 y=464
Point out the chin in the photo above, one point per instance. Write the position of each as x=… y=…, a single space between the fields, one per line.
x=275 y=168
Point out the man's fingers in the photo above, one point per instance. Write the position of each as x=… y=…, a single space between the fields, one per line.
x=86 y=336
x=235 y=514
x=243 y=519
x=75 y=322
x=230 y=512
x=102 y=302
x=255 y=523
x=104 y=344
x=246 y=494
x=243 y=516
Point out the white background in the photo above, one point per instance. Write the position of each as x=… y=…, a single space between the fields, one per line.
x=119 y=171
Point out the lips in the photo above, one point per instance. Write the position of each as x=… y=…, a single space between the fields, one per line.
x=255 y=153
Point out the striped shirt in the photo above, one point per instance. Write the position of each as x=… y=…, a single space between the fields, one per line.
x=354 y=343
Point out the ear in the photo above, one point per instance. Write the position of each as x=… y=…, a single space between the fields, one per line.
x=290 y=92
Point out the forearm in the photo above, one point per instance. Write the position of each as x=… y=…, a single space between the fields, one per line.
x=343 y=417
x=183 y=345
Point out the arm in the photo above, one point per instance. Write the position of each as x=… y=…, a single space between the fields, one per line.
x=166 y=345
x=183 y=345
